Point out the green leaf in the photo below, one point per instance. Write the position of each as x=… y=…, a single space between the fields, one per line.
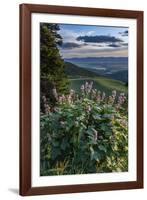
x=95 y=155
x=55 y=152
x=102 y=148
x=55 y=143
x=64 y=144
x=97 y=117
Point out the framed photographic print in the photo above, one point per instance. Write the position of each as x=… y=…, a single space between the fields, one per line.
x=81 y=99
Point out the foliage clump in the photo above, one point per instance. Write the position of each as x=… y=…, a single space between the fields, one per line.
x=85 y=133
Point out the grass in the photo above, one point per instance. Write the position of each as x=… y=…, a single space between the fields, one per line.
x=100 y=83
x=78 y=76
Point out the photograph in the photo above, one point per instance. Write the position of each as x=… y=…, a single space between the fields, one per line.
x=83 y=99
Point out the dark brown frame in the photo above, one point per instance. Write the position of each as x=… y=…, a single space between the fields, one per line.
x=25 y=99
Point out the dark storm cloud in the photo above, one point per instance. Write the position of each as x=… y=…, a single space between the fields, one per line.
x=125 y=33
x=99 y=39
x=72 y=45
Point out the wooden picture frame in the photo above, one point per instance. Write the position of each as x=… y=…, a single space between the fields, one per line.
x=26 y=11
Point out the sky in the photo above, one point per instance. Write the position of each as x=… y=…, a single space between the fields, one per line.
x=93 y=41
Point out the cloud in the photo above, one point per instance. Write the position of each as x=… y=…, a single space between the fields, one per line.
x=87 y=51
x=125 y=44
x=95 y=45
x=68 y=35
x=89 y=33
x=99 y=39
x=124 y=33
x=70 y=45
x=93 y=53
x=77 y=45
x=114 y=45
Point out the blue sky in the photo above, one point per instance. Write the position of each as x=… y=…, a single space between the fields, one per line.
x=93 y=41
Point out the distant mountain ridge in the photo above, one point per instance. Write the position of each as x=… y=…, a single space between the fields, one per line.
x=94 y=58
x=112 y=67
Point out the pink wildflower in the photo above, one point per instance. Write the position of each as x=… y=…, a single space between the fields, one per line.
x=103 y=96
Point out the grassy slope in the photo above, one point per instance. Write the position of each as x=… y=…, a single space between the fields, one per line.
x=100 y=83
x=121 y=75
x=73 y=70
x=79 y=76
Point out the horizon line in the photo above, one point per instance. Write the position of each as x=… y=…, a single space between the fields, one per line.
x=98 y=57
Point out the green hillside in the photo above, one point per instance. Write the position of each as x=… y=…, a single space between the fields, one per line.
x=73 y=70
x=120 y=75
x=103 y=84
x=78 y=76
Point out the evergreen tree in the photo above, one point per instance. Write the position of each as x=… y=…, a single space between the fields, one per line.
x=51 y=63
